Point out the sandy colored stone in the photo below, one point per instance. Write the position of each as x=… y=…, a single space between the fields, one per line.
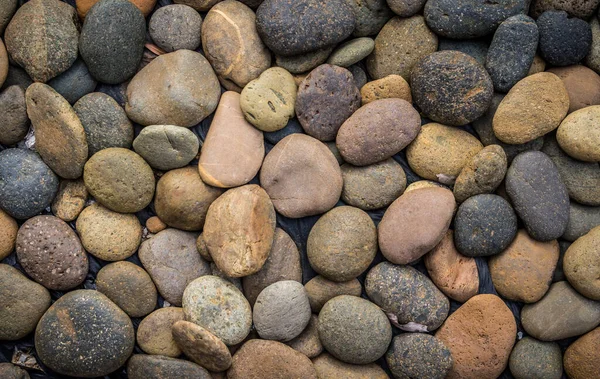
x=330 y=368
x=523 y=272
x=59 y=136
x=536 y=105
x=482 y=174
x=582 y=358
x=239 y=230
x=579 y=134
x=69 y=200
x=308 y=342
x=480 y=336
x=320 y=290
x=440 y=152
x=233 y=150
x=8 y=234
x=582 y=84
x=119 y=179
x=301 y=176
x=109 y=235
x=182 y=198
x=453 y=273
x=155 y=225
x=203 y=249
x=154 y=332
x=579 y=264
x=231 y=43
x=391 y=86
x=84 y=6
x=538 y=65
x=201 y=346
x=351 y=52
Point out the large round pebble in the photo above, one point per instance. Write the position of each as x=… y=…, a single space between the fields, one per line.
x=374 y=186
x=175 y=27
x=531 y=358
x=166 y=147
x=579 y=134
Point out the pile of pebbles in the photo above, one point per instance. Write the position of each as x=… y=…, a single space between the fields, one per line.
x=300 y=189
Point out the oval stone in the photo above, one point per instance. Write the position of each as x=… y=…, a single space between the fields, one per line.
x=418 y=355
x=564 y=40
x=582 y=219
x=142 y=366
x=201 y=346
x=8 y=234
x=74 y=83
x=14 y=123
x=351 y=52
x=582 y=357
x=482 y=174
x=391 y=86
x=579 y=264
x=370 y=17
x=175 y=27
x=374 y=186
x=531 y=358
x=166 y=147
x=579 y=134
x=582 y=84
x=154 y=332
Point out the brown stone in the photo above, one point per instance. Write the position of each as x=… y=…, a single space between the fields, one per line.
x=69 y=200
x=579 y=134
x=59 y=136
x=84 y=6
x=283 y=263
x=308 y=342
x=533 y=107
x=538 y=65
x=415 y=223
x=580 y=264
x=582 y=84
x=3 y=63
x=301 y=176
x=155 y=225
x=142 y=366
x=8 y=234
x=233 y=150
x=453 y=273
x=321 y=290
x=258 y=359
x=330 y=368
x=14 y=123
x=523 y=272
x=391 y=86
x=10 y=371
x=239 y=230
x=480 y=336
x=202 y=249
x=582 y=358
x=154 y=333
x=201 y=346
x=482 y=174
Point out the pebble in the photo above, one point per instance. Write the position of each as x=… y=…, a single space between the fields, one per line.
x=283 y=263
x=581 y=357
x=172 y=269
x=531 y=358
x=129 y=287
x=329 y=367
x=154 y=332
x=27 y=185
x=231 y=43
x=359 y=74
x=476 y=48
x=354 y=330
x=51 y=253
x=418 y=355
x=440 y=152
x=142 y=366
x=84 y=6
x=268 y=102
x=374 y=186
x=538 y=65
x=465 y=19
x=70 y=200
x=247 y=213
x=323 y=24
x=418 y=307
x=415 y=223
x=105 y=122
x=175 y=27
x=320 y=290
x=84 y=334
x=369 y=16
x=299 y=64
x=453 y=273
x=14 y=123
x=298 y=183
x=564 y=40
x=482 y=174
x=24 y=302
x=201 y=346
x=326 y=98
x=399 y=46
x=579 y=266
x=199 y=5
x=233 y=150
x=166 y=147
x=8 y=234
x=74 y=83
x=576 y=8
x=269 y=359
x=480 y=335
x=391 y=86
x=560 y=314
x=218 y=306
x=7 y=10
x=155 y=92
x=523 y=271
x=538 y=195
x=308 y=342
x=450 y=87
x=119 y=179
x=42 y=38
x=112 y=40
x=579 y=134
x=378 y=131
x=155 y=225
x=8 y=370
x=351 y=52
x=406 y=8
x=281 y=311
x=582 y=84
x=342 y=244
x=592 y=60
x=582 y=219
x=59 y=134
x=512 y=51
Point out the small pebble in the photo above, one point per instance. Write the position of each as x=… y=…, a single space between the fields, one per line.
x=154 y=332
x=175 y=27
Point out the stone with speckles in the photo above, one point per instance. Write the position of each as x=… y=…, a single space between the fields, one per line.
x=418 y=355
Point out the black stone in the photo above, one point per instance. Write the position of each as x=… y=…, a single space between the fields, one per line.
x=564 y=41
x=293 y=126
x=112 y=40
x=143 y=366
x=462 y=19
x=27 y=184
x=74 y=83
x=418 y=355
x=477 y=48
x=484 y=225
x=450 y=87
x=291 y=27
x=538 y=194
x=512 y=51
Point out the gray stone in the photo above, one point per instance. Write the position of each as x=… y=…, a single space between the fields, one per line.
x=298 y=64
x=582 y=219
x=476 y=48
x=74 y=83
x=370 y=16
x=564 y=40
x=359 y=74
x=351 y=52
x=7 y=10
x=14 y=122
x=418 y=355
x=142 y=366
x=166 y=147
x=293 y=126
x=175 y=27
x=532 y=359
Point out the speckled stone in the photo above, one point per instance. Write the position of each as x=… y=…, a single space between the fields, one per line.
x=201 y=346
x=308 y=342
x=142 y=366
x=579 y=134
x=582 y=357
x=418 y=355
x=166 y=147
x=8 y=370
x=483 y=174
x=578 y=8
x=74 y=83
x=351 y=52
x=476 y=48
x=564 y=40
x=579 y=266
x=175 y=27
x=154 y=332
x=14 y=122
x=531 y=358
x=84 y=334
x=582 y=219
x=70 y=199
x=7 y=10
x=374 y=186
x=321 y=290
x=370 y=16
x=329 y=367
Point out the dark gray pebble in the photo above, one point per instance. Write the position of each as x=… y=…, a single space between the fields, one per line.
x=564 y=41
x=476 y=48
x=582 y=219
x=370 y=16
x=293 y=126
x=531 y=359
x=74 y=83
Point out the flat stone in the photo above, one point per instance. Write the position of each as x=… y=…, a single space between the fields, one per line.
x=578 y=134
x=166 y=147
x=201 y=346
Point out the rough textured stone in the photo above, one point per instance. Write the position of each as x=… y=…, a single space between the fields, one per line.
x=8 y=234
x=576 y=8
x=308 y=342
x=582 y=84
x=579 y=264
x=201 y=346
x=329 y=368
x=531 y=358
x=74 y=83
x=374 y=186
x=582 y=357
x=155 y=225
x=154 y=332
x=70 y=200
x=482 y=174
x=175 y=27
x=370 y=16
x=8 y=370
x=579 y=134
x=84 y=6
x=166 y=147
x=142 y=366
x=351 y=52
x=14 y=122
x=592 y=60
x=582 y=219
x=7 y=10
x=564 y=40
x=418 y=355
x=391 y=86
x=302 y=63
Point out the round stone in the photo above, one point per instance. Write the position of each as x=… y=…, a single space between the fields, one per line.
x=579 y=134
x=74 y=83
x=51 y=254
x=351 y=52
x=70 y=199
x=109 y=235
x=330 y=367
x=219 y=307
x=406 y=8
x=581 y=357
x=354 y=330
x=175 y=27
x=166 y=147
x=577 y=8
x=129 y=286
x=14 y=123
x=302 y=63
x=84 y=334
x=582 y=84
x=582 y=219
x=370 y=17
x=201 y=346
x=342 y=244
x=531 y=358
x=321 y=290
x=564 y=40
x=155 y=225
x=418 y=355
x=451 y=87
x=308 y=342
x=482 y=174
x=154 y=332
x=579 y=267
x=119 y=179
x=142 y=366
x=391 y=86
x=281 y=311
x=8 y=234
